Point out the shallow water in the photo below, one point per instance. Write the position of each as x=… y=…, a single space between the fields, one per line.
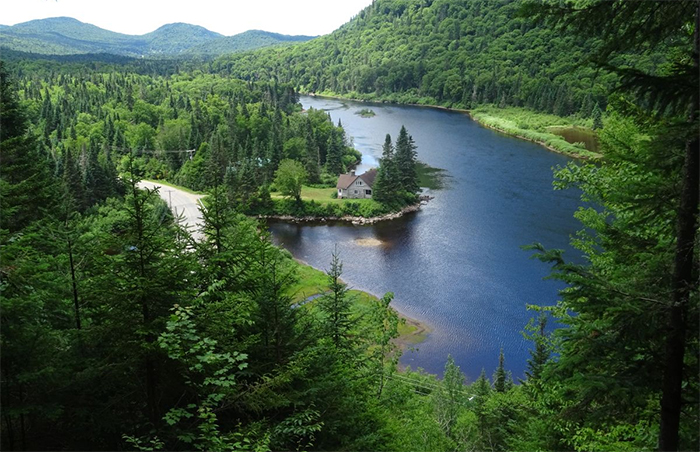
x=457 y=264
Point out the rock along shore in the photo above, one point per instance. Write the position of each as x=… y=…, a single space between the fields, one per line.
x=349 y=218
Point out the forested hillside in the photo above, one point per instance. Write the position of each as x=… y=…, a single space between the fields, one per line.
x=121 y=332
x=446 y=52
x=67 y=36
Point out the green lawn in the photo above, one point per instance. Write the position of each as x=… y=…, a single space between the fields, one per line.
x=312 y=281
x=322 y=196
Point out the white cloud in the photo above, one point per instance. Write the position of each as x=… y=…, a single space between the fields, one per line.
x=295 y=17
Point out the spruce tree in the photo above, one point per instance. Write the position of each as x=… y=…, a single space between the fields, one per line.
x=500 y=376
x=385 y=186
x=334 y=157
x=597 y=114
x=336 y=304
x=449 y=396
x=25 y=177
x=540 y=355
x=405 y=161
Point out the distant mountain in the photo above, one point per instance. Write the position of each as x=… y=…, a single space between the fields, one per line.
x=64 y=36
x=68 y=36
x=177 y=38
x=248 y=40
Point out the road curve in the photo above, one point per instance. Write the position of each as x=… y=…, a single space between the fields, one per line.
x=181 y=203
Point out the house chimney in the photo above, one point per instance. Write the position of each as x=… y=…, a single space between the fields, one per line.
x=352 y=173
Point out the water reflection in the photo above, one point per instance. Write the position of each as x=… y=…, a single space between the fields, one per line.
x=456 y=264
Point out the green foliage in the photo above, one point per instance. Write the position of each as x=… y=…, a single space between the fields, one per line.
x=289 y=178
x=25 y=179
x=396 y=184
x=451 y=53
x=449 y=396
x=614 y=341
x=532 y=126
x=336 y=305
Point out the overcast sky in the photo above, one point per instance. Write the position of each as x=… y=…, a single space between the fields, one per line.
x=136 y=17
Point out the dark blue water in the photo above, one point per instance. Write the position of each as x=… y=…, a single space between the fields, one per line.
x=457 y=264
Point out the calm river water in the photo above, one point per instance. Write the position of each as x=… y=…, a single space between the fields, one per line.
x=457 y=264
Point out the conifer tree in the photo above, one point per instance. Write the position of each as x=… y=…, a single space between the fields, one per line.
x=540 y=355
x=25 y=178
x=450 y=396
x=500 y=376
x=334 y=157
x=386 y=184
x=336 y=304
x=274 y=318
x=312 y=156
x=405 y=161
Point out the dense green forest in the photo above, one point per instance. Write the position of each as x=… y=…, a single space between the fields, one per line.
x=119 y=331
x=442 y=52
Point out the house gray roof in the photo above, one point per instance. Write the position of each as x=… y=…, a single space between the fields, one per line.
x=369 y=176
x=345 y=180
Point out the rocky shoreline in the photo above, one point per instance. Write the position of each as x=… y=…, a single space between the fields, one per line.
x=358 y=221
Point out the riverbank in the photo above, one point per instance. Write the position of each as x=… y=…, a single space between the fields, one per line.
x=356 y=220
x=501 y=120
x=536 y=128
x=313 y=282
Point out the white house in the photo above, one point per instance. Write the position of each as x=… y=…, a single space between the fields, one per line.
x=352 y=186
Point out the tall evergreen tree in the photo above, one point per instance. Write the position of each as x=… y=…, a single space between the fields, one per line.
x=450 y=397
x=500 y=376
x=25 y=178
x=334 y=157
x=385 y=187
x=540 y=355
x=639 y=26
x=405 y=163
x=336 y=305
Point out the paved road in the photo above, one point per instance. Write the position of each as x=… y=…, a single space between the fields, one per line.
x=181 y=203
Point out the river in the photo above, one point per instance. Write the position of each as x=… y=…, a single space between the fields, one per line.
x=456 y=265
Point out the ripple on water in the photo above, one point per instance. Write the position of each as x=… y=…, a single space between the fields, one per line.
x=457 y=264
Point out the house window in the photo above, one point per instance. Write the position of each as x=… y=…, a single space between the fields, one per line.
x=368 y=192
x=354 y=192
x=359 y=182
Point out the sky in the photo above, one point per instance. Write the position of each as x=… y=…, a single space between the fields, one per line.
x=136 y=17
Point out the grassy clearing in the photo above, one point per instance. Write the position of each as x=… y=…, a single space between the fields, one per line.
x=322 y=196
x=535 y=127
x=312 y=281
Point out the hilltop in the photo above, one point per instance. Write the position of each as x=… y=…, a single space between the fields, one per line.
x=68 y=36
x=445 y=52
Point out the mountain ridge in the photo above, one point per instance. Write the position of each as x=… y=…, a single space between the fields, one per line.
x=69 y=36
